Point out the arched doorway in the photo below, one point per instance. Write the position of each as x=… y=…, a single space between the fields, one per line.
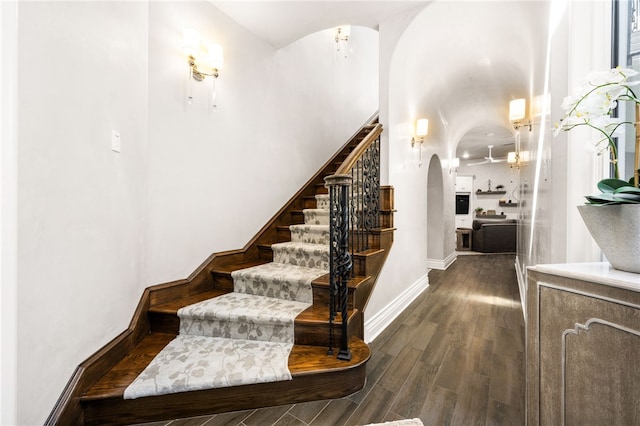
x=435 y=215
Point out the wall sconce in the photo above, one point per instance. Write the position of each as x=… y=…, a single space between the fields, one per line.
x=517 y=113
x=342 y=38
x=455 y=163
x=202 y=63
x=518 y=159
x=422 y=129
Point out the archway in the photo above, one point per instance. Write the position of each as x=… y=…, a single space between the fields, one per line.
x=435 y=215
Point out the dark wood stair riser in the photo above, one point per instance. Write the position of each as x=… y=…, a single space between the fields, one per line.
x=321 y=296
x=321 y=290
x=297 y=217
x=368 y=263
x=317 y=334
x=310 y=202
x=222 y=281
x=386 y=219
x=164 y=323
x=266 y=253
x=284 y=233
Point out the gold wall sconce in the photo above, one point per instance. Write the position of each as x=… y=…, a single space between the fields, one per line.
x=517 y=159
x=203 y=63
x=518 y=114
x=421 y=131
x=455 y=163
x=342 y=34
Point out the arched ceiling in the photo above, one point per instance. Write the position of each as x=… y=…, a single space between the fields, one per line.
x=280 y=23
x=475 y=57
x=474 y=144
x=471 y=57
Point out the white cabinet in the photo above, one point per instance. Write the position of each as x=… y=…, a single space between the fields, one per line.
x=463 y=221
x=464 y=190
x=464 y=183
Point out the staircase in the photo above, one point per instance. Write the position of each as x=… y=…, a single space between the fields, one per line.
x=283 y=276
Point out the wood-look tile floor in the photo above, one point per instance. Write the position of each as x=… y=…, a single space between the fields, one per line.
x=455 y=356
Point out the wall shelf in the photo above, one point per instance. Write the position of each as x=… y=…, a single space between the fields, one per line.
x=501 y=204
x=490 y=192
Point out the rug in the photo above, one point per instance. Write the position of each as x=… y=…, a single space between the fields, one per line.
x=246 y=336
x=191 y=363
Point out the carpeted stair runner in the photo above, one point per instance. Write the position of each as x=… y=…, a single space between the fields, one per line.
x=244 y=337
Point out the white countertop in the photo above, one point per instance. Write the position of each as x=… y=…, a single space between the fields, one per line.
x=599 y=272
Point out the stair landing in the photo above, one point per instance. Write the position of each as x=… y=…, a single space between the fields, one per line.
x=315 y=375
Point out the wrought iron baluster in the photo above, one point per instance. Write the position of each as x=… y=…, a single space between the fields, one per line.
x=340 y=258
x=354 y=203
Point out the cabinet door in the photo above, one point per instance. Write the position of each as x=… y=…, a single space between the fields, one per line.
x=463 y=222
x=583 y=346
x=464 y=183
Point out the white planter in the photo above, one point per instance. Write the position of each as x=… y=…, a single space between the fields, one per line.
x=616 y=230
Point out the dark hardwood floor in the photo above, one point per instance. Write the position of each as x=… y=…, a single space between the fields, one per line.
x=455 y=356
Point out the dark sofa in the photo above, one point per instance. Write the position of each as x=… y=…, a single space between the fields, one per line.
x=494 y=236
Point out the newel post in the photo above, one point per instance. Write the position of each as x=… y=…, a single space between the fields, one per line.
x=340 y=262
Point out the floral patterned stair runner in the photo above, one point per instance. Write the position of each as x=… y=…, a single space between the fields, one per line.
x=244 y=337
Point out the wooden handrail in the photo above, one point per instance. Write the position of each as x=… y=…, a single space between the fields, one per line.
x=362 y=147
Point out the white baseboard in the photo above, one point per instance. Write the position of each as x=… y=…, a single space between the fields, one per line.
x=442 y=264
x=522 y=281
x=376 y=324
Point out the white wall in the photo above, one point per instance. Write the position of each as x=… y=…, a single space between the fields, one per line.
x=564 y=168
x=96 y=227
x=82 y=208
x=217 y=178
x=499 y=174
x=8 y=212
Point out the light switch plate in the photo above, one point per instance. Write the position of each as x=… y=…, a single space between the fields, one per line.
x=116 y=146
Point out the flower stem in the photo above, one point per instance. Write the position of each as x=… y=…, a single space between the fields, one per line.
x=613 y=150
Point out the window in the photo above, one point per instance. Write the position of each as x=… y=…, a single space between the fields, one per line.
x=626 y=53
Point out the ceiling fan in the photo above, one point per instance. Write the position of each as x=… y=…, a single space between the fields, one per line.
x=489 y=159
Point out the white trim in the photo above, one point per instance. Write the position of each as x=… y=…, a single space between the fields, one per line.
x=522 y=285
x=442 y=264
x=376 y=324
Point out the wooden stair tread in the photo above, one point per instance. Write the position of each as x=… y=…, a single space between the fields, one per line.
x=368 y=252
x=315 y=314
x=228 y=269
x=353 y=283
x=113 y=384
x=303 y=360
x=381 y=230
x=173 y=306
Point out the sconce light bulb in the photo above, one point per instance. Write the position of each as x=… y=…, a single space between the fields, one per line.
x=190 y=42
x=517 y=109
x=216 y=56
x=422 y=127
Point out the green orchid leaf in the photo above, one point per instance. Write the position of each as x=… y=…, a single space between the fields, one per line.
x=628 y=198
x=609 y=198
x=605 y=197
x=610 y=185
x=627 y=190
